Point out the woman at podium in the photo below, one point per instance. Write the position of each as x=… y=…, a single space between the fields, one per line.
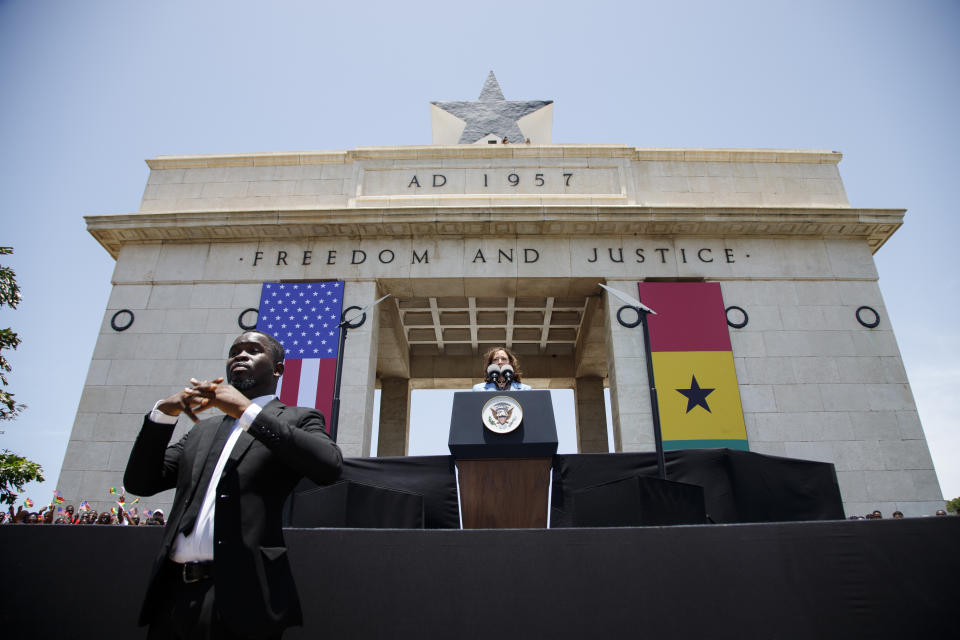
x=501 y=371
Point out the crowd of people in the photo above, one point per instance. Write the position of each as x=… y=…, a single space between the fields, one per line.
x=123 y=514
x=876 y=514
x=58 y=513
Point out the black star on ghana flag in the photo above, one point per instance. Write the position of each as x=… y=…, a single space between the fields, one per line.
x=695 y=395
x=492 y=113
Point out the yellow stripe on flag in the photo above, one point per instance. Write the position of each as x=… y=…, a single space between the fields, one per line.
x=683 y=416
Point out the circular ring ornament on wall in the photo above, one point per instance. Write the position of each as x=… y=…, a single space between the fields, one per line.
x=353 y=325
x=121 y=327
x=244 y=326
x=869 y=324
x=742 y=323
x=629 y=325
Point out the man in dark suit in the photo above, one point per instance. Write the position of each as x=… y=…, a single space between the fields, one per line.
x=222 y=570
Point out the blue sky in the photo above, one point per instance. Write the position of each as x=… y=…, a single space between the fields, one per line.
x=89 y=90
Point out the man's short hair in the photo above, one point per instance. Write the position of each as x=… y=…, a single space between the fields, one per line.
x=276 y=349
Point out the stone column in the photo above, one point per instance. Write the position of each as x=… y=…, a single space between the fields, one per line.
x=627 y=367
x=591 y=415
x=359 y=373
x=394 y=417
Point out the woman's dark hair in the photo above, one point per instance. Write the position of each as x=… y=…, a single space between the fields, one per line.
x=488 y=359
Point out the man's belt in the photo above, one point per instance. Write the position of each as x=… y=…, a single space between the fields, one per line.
x=197 y=571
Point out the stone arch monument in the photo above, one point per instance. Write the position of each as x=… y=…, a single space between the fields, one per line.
x=482 y=243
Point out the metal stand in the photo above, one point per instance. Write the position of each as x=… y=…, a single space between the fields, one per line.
x=654 y=403
x=643 y=314
x=345 y=325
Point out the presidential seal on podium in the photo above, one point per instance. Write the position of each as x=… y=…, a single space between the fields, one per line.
x=501 y=414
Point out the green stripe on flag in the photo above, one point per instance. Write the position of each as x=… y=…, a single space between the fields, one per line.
x=674 y=445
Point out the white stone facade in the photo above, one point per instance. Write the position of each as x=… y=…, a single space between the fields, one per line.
x=490 y=244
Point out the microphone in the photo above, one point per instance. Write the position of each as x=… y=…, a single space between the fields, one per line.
x=493 y=373
x=507 y=372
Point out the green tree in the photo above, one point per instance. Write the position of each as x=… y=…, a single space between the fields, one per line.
x=953 y=506
x=15 y=471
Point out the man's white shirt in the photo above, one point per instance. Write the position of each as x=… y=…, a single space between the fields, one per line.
x=197 y=546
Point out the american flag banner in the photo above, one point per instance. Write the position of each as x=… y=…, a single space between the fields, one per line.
x=303 y=317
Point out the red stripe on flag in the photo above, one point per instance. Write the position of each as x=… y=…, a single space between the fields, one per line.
x=690 y=316
x=324 y=404
x=290 y=386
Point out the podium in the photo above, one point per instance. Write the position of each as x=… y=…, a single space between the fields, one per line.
x=503 y=443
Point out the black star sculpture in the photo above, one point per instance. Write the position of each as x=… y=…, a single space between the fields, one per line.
x=492 y=114
x=696 y=396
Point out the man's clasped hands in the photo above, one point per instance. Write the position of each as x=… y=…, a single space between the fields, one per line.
x=202 y=395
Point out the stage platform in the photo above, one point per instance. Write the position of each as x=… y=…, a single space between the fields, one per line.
x=738 y=487
x=824 y=579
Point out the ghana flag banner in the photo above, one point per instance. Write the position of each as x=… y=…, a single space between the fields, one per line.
x=693 y=366
x=303 y=317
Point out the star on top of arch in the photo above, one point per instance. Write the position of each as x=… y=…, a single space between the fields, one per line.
x=491 y=114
